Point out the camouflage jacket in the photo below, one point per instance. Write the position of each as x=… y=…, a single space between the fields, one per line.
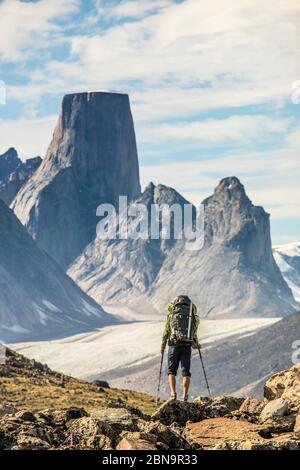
x=167 y=329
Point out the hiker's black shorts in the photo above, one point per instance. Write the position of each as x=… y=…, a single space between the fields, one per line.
x=179 y=354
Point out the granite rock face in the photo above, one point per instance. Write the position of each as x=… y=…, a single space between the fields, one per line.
x=14 y=173
x=92 y=159
x=37 y=299
x=8 y=162
x=123 y=270
x=285 y=385
x=234 y=274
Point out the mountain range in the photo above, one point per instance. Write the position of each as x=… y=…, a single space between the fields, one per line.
x=233 y=274
x=92 y=159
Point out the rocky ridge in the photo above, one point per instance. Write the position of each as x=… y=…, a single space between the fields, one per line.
x=14 y=173
x=219 y=423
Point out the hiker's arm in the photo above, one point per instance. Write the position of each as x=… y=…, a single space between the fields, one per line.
x=166 y=333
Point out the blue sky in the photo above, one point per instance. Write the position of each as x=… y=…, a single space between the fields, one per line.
x=214 y=87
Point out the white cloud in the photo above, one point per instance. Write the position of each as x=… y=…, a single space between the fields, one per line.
x=132 y=9
x=180 y=61
x=242 y=53
x=27 y=26
x=271 y=178
x=31 y=137
x=243 y=128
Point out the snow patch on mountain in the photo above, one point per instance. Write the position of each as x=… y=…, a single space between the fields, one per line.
x=287 y=258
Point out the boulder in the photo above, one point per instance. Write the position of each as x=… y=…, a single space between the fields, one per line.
x=274 y=409
x=25 y=442
x=297 y=424
x=251 y=406
x=279 y=425
x=59 y=417
x=210 y=433
x=102 y=429
x=170 y=436
x=101 y=383
x=138 y=441
x=285 y=385
x=118 y=417
x=7 y=410
x=178 y=412
x=283 y=442
x=89 y=433
x=219 y=406
x=25 y=416
x=63 y=416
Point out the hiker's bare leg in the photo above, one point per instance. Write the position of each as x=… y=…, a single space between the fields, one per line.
x=172 y=383
x=186 y=385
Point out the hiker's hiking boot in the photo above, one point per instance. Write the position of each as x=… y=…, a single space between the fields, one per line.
x=173 y=396
x=185 y=398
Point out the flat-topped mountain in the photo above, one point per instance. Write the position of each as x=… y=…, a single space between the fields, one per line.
x=92 y=159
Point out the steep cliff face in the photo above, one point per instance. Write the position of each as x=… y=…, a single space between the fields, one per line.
x=91 y=159
x=232 y=220
x=235 y=272
x=14 y=173
x=37 y=299
x=122 y=270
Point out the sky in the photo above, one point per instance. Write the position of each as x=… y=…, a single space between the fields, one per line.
x=214 y=88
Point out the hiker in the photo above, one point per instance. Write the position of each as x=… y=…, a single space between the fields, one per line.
x=181 y=335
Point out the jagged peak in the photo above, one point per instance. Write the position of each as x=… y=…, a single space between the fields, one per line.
x=150 y=187
x=10 y=153
x=161 y=194
x=230 y=183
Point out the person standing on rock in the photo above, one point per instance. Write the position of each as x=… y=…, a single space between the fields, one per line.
x=180 y=333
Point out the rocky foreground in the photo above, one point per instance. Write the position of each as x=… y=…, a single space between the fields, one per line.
x=124 y=420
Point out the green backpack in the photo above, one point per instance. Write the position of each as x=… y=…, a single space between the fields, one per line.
x=182 y=320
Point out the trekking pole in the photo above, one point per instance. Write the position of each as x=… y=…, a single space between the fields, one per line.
x=201 y=359
x=159 y=378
